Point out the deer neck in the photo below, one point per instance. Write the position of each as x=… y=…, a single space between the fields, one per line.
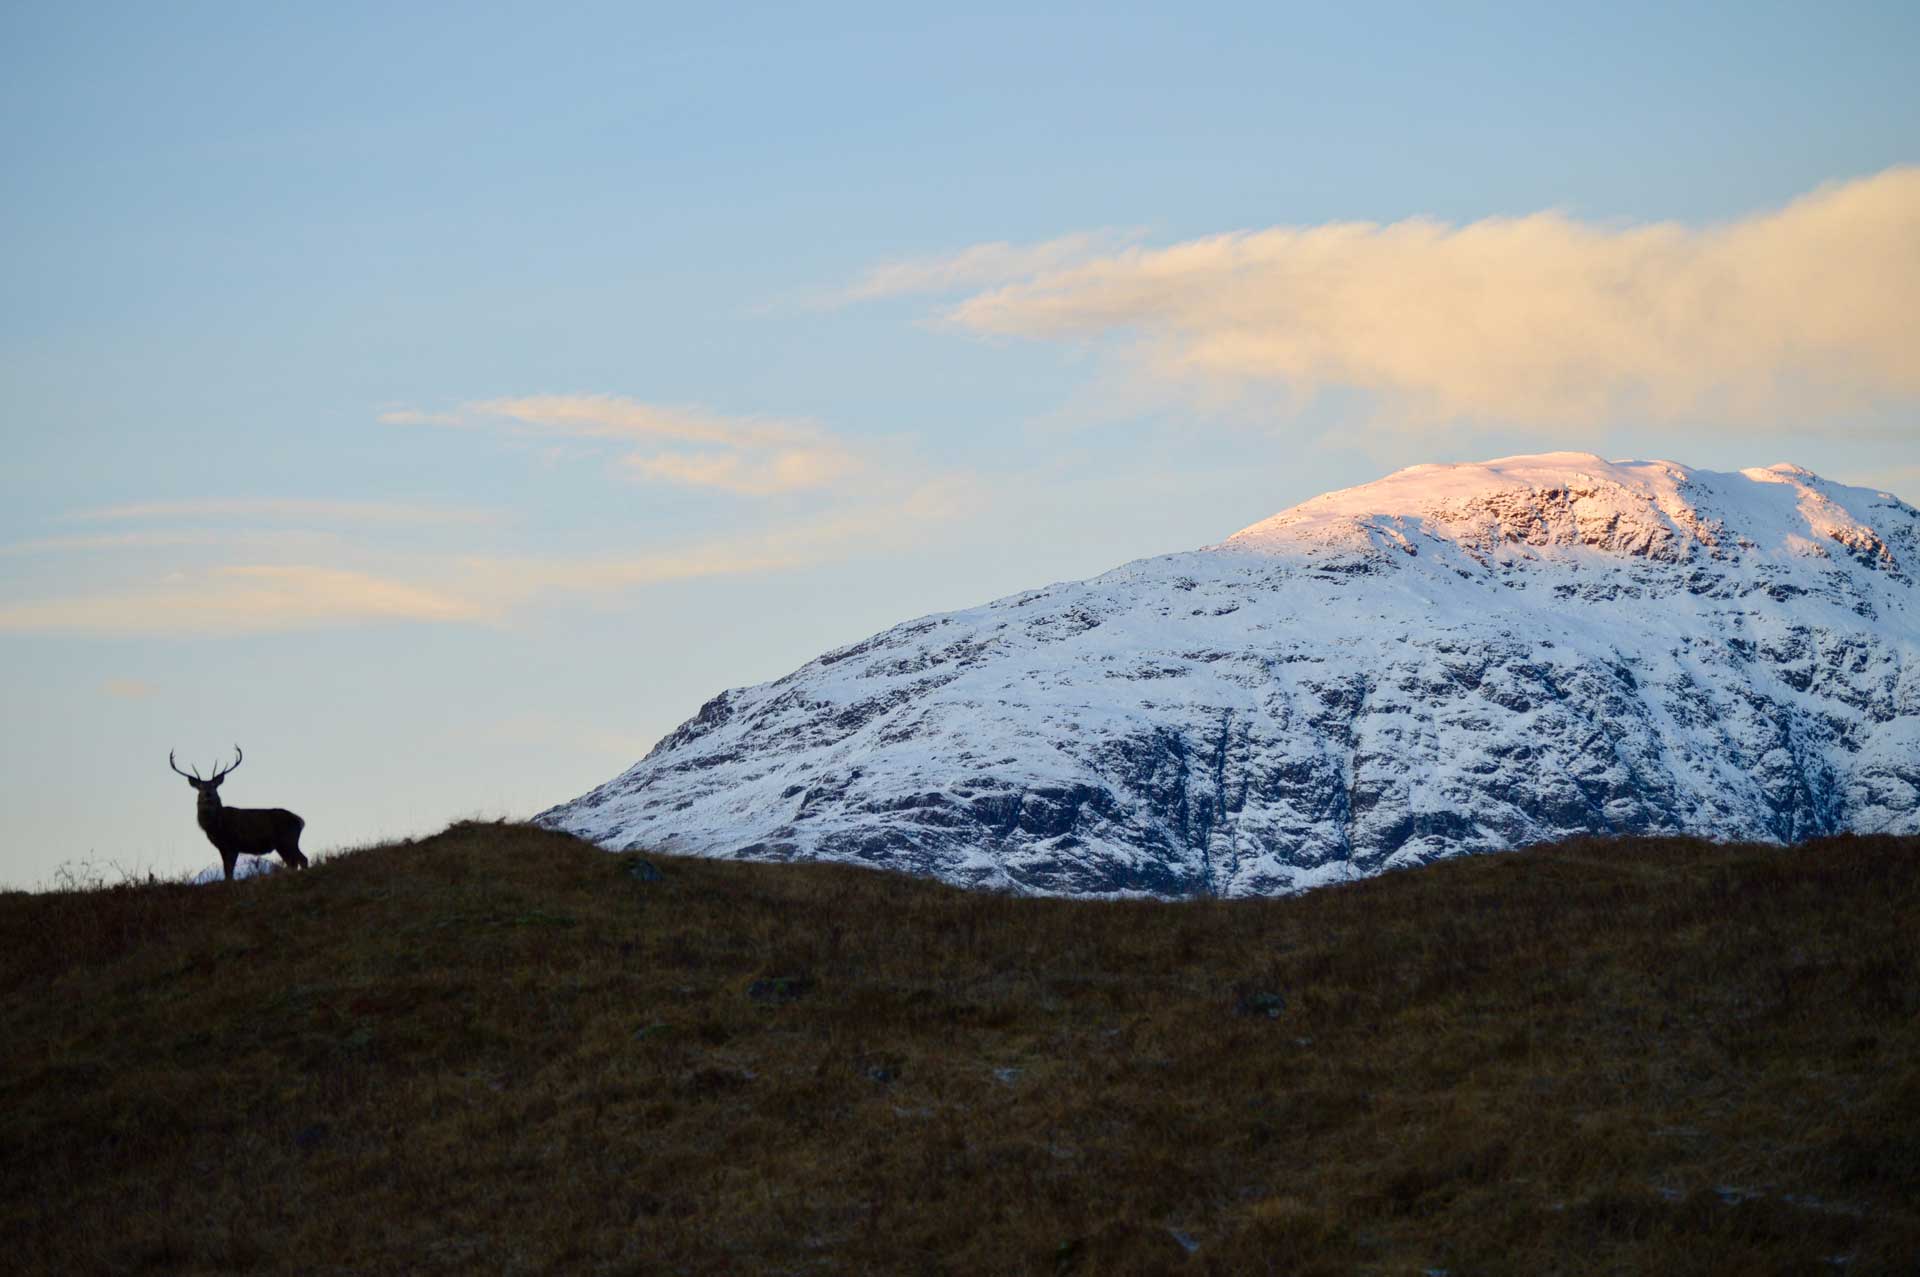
x=211 y=812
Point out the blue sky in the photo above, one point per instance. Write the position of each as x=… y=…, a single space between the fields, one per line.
x=444 y=404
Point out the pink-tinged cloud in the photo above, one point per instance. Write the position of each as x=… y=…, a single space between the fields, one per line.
x=239 y=600
x=982 y=265
x=1543 y=320
x=250 y=599
x=383 y=512
x=128 y=689
x=890 y=524
x=751 y=474
x=747 y=455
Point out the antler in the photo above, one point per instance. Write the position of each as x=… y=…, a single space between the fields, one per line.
x=238 y=758
x=176 y=767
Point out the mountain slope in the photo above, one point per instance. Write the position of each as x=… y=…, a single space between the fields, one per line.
x=1452 y=659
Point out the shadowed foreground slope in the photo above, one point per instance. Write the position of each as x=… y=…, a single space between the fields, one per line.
x=498 y=1050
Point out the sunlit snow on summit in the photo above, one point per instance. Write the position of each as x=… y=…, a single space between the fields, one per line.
x=1455 y=658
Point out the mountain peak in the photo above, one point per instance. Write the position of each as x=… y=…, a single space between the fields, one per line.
x=1562 y=505
x=1453 y=658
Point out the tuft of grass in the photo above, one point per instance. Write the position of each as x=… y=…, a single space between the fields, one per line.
x=499 y=1049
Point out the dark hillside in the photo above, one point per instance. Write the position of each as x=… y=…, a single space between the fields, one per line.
x=497 y=1050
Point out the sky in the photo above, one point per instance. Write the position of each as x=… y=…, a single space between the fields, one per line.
x=442 y=402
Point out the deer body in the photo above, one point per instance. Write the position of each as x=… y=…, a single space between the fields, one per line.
x=244 y=831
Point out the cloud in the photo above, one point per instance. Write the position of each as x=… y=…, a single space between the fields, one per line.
x=514 y=581
x=981 y=265
x=251 y=599
x=239 y=600
x=1542 y=320
x=127 y=689
x=787 y=470
x=748 y=456
x=146 y=540
x=284 y=579
x=386 y=512
x=150 y=539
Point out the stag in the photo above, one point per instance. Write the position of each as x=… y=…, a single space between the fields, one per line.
x=243 y=831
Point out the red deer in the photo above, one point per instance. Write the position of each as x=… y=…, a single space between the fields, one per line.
x=244 y=831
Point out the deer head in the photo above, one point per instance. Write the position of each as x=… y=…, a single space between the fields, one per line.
x=208 y=788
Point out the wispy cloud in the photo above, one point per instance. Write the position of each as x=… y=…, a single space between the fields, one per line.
x=127 y=689
x=372 y=563
x=746 y=455
x=1543 y=320
x=249 y=599
x=384 y=512
x=982 y=265
x=170 y=539
x=885 y=525
x=239 y=600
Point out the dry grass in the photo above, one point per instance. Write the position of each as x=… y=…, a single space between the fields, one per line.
x=495 y=1050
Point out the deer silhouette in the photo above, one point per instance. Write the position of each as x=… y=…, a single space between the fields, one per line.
x=243 y=831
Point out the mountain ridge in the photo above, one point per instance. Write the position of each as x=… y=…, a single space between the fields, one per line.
x=1453 y=658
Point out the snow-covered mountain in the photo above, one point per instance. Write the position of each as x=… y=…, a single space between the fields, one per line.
x=1455 y=658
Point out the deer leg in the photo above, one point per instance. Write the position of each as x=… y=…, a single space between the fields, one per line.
x=226 y=860
x=291 y=854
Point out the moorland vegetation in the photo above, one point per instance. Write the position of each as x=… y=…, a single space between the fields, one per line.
x=499 y=1049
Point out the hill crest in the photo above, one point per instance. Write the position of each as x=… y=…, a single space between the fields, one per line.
x=501 y=1048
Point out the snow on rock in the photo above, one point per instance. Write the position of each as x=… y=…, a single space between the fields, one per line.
x=1456 y=658
x=248 y=867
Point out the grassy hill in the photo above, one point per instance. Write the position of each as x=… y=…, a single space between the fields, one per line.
x=499 y=1050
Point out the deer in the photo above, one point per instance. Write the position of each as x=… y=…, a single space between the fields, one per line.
x=243 y=831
